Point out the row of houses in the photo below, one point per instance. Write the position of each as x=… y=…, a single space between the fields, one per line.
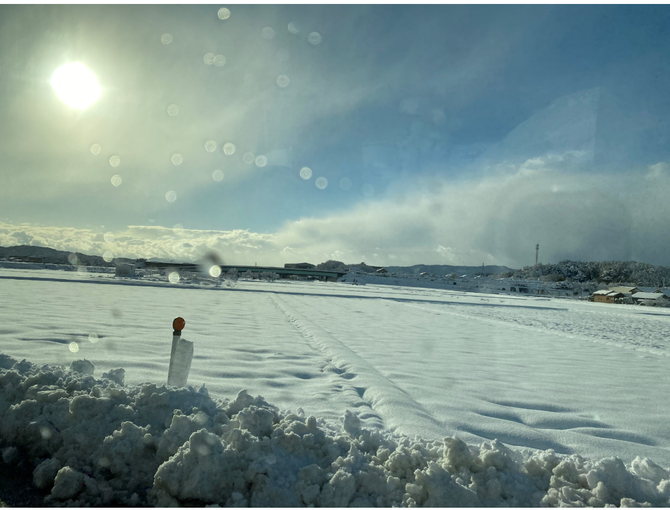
x=647 y=296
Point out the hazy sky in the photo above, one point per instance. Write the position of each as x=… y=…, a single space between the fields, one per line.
x=433 y=134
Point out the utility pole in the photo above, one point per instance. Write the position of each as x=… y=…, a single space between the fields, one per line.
x=537 y=250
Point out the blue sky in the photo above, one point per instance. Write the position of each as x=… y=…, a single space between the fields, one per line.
x=413 y=114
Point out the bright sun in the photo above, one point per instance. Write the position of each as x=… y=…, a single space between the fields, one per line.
x=76 y=85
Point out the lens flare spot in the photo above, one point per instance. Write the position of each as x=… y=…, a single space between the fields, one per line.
x=72 y=259
x=368 y=190
x=283 y=81
x=219 y=61
x=93 y=338
x=209 y=58
x=210 y=146
x=305 y=172
x=115 y=161
x=268 y=33
x=283 y=55
x=109 y=237
x=73 y=346
x=95 y=149
x=229 y=149
x=173 y=277
x=45 y=433
x=215 y=271
x=108 y=256
x=261 y=161
x=173 y=110
x=248 y=158
x=177 y=159
x=293 y=27
x=345 y=183
x=314 y=38
x=224 y=13
x=166 y=38
x=217 y=175
x=82 y=270
x=321 y=183
x=116 y=180
x=171 y=196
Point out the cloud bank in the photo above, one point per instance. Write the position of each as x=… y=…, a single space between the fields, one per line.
x=497 y=220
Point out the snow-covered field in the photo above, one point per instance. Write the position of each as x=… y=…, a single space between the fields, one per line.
x=564 y=385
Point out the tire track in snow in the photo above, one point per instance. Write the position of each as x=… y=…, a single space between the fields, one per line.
x=394 y=407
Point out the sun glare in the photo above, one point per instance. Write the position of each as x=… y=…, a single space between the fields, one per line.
x=76 y=85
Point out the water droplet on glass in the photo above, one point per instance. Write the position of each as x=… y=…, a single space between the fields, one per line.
x=215 y=271
x=114 y=113
x=219 y=60
x=268 y=33
x=321 y=183
x=368 y=190
x=166 y=38
x=210 y=146
x=173 y=110
x=209 y=58
x=93 y=338
x=72 y=259
x=283 y=81
x=116 y=180
x=95 y=149
x=109 y=237
x=217 y=175
x=170 y=196
x=108 y=256
x=81 y=270
x=248 y=158
x=173 y=277
x=345 y=183
x=115 y=161
x=177 y=159
x=224 y=13
x=45 y=433
x=261 y=161
x=74 y=347
x=283 y=55
x=229 y=149
x=293 y=27
x=305 y=172
x=314 y=38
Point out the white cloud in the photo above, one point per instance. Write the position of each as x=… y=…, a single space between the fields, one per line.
x=497 y=220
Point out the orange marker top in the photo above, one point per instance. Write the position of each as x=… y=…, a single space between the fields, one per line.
x=178 y=324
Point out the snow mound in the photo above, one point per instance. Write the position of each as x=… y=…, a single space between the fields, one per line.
x=95 y=442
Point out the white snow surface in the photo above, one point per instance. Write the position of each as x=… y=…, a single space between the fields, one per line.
x=331 y=394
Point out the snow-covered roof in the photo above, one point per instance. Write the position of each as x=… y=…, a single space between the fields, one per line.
x=648 y=295
x=626 y=290
x=606 y=292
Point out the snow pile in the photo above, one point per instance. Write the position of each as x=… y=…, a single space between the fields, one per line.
x=96 y=442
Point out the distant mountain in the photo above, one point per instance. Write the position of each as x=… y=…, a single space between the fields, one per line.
x=45 y=255
x=439 y=270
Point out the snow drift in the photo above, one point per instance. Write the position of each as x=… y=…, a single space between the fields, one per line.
x=97 y=442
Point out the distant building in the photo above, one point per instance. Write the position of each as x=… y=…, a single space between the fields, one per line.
x=299 y=265
x=125 y=270
x=382 y=270
x=606 y=296
x=651 y=298
x=626 y=291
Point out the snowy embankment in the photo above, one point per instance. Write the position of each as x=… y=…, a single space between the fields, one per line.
x=569 y=387
x=96 y=442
